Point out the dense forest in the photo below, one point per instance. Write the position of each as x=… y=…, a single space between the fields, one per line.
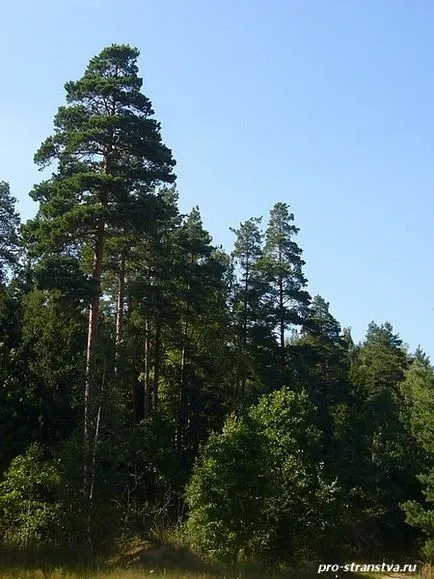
x=154 y=385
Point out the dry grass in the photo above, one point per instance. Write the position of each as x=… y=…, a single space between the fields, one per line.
x=107 y=574
x=147 y=573
x=133 y=574
x=153 y=560
x=128 y=574
x=139 y=560
x=63 y=573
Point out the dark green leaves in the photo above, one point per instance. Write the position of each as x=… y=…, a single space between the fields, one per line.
x=9 y=223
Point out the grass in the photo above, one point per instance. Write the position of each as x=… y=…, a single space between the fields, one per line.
x=64 y=573
x=145 y=573
x=137 y=574
x=108 y=574
x=155 y=562
x=115 y=573
x=148 y=561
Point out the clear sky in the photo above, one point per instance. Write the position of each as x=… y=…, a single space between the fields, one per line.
x=327 y=105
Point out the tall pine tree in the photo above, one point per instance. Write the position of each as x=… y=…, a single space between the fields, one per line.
x=109 y=156
x=282 y=265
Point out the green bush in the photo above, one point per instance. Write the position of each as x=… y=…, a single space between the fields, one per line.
x=304 y=507
x=228 y=491
x=259 y=487
x=29 y=510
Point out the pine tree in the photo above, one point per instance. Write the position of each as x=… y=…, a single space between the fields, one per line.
x=251 y=326
x=109 y=156
x=9 y=224
x=203 y=322
x=379 y=466
x=320 y=363
x=282 y=264
x=418 y=417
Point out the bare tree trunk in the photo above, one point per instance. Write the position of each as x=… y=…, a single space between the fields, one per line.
x=120 y=305
x=94 y=447
x=137 y=400
x=90 y=351
x=157 y=360
x=181 y=394
x=282 y=323
x=244 y=354
x=138 y=396
x=147 y=370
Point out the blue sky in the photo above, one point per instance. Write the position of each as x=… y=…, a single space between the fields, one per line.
x=327 y=105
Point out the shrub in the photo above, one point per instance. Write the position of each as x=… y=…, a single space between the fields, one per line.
x=259 y=487
x=29 y=511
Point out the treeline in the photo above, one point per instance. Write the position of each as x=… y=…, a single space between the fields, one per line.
x=152 y=383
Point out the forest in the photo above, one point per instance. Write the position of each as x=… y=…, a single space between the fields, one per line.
x=154 y=386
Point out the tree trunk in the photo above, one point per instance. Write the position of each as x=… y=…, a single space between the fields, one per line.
x=137 y=400
x=244 y=354
x=181 y=396
x=90 y=352
x=282 y=324
x=120 y=305
x=146 y=374
x=138 y=397
x=93 y=457
x=157 y=360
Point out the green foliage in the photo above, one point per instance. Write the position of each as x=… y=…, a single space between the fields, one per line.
x=110 y=155
x=254 y=343
x=110 y=161
x=259 y=486
x=320 y=359
x=282 y=265
x=9 y=224
x=110 y=292
x=228 y=492
x=381 y=466
x=418 y=416
x=304 y=507
x=29 y=511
